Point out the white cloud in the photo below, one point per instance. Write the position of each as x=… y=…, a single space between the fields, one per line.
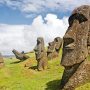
x=48 y=28
x=11 y=36
x=23 y=37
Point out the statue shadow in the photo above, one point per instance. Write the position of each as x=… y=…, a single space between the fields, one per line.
x=16 y=62
x=53 y=85
x=33 y=67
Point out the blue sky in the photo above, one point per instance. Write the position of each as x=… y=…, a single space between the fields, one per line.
x=24 y=11
x=15 y=16
x=22 y=21
x=10 y=16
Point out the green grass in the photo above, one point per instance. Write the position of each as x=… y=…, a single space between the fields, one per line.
x=14 y=76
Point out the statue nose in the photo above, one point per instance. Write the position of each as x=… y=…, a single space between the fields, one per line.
x=69 y=43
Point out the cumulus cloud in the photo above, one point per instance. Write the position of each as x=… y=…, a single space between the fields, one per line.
x=39 y=6
x=48 y=28
x=23 y=37
x=11 y=36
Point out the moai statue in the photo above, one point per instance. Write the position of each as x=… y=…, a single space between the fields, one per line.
x=20 y=56
x=23 y=52
x=51 y=50
x=58 y=44
x=89 y=43
x=75 y=50
x=1 y=61
x=41 y=55
x=54 y=48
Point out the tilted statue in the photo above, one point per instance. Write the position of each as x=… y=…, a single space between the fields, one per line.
x=20 y=56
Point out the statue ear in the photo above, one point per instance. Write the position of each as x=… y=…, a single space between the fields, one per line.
x=80 y=17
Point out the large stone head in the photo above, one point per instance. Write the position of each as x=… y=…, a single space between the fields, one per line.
x=51 y=47
x=39 y=48
x=76 y=36
x=15 y=51
x=40 y=44
x=40 y=40
x=58 y=43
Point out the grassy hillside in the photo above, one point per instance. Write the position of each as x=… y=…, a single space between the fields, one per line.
x=14 y=76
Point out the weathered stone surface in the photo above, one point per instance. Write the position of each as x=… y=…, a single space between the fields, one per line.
x=75 y=39
x=41 y=55
x=78 y=77
x=51 y=50
x=1 y=61
x=75 y=49
x=23 y=52
x=58 y=44
x=88 y=42
x=89 y=50
x=54 y=48
x=20 y=56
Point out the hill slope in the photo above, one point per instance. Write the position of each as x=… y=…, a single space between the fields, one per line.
x=14 y=76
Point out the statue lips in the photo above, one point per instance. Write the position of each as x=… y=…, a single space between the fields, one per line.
x=70 y=46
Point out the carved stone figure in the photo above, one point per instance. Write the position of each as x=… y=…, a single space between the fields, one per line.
x=75 y=50
x=20 y=56
x=58 y=44
x=1 y=61
x=54 y=48
x=88 y=42
x=51 y=51
x=41 y=55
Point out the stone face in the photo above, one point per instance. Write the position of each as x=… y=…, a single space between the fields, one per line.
x=75 y=40
x=75 y=49
x=88 y=42
x=54 y=48
x=51 y=50
x=58 y=44
x=41 y=55
x=1 y=61
x=20 y=56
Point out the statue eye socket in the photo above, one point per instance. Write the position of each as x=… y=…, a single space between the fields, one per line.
x=80 y=17
x=56 y=40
